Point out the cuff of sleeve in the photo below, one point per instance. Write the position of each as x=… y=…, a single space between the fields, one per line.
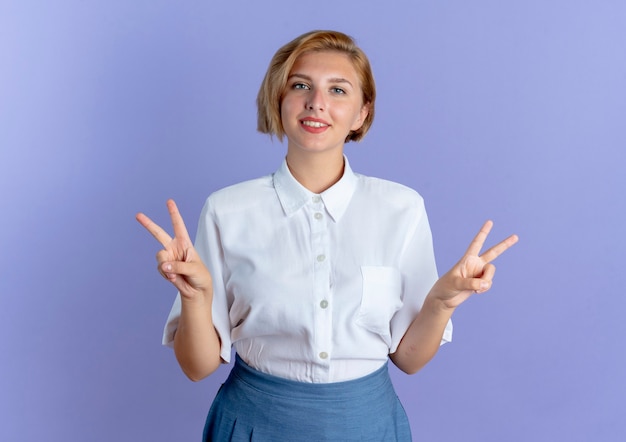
x=171 y=324
x=223 y=331
x=447 y=333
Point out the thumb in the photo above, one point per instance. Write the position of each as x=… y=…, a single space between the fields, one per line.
x=476 y=285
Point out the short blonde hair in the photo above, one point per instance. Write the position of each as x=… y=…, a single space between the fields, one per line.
x=272 y=88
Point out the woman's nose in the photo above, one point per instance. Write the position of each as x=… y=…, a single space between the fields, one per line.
x=315 y=100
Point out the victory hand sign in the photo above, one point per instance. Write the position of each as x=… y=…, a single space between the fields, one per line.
x=178 y=261
x=473 y=273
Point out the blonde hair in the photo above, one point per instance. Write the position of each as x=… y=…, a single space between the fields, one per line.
x=271 y=91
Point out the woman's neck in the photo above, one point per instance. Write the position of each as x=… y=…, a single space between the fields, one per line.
x=316 y=172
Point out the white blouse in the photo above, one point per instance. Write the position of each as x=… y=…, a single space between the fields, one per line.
x=314 y=288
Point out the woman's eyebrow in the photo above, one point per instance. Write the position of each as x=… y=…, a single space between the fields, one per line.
x=330 y=80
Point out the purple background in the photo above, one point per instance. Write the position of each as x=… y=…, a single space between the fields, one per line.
x=514 y=111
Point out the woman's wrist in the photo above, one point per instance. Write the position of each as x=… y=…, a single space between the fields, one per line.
x=199 y=300
x=437 y=302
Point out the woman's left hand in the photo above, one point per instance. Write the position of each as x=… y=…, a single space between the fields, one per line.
x=473 y=273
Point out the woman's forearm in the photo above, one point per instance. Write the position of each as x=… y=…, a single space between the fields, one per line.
x=196 y=342
x=422 y=340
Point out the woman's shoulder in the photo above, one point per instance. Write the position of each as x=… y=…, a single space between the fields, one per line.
x=244 y=187
x=389 y=191
x=242 y=193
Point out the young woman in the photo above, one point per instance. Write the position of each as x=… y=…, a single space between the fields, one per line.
x=315 y=274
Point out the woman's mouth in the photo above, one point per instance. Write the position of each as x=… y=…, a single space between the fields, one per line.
x=311 y=123
x=314 y=125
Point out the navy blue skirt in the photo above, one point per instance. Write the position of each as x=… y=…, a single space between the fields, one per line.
x=254 y=406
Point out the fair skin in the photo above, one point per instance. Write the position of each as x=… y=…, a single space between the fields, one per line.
x=321 y=104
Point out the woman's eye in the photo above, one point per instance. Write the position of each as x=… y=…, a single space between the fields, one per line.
x=300 y=86
x=338 y=90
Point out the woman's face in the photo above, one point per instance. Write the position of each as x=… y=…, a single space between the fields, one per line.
x=322 y=102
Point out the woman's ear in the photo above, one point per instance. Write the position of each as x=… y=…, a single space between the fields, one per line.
x=363 y=113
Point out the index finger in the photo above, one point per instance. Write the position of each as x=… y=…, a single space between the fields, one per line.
x=180 y=231
x=159 y=234
x=499 y=248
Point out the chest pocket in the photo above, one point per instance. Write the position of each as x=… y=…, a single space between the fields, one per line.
x=381 y=298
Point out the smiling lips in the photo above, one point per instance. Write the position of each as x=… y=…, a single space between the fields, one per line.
x=314 y=125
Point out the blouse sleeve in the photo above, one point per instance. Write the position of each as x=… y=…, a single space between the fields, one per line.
x=208 y=246
x=419 y=274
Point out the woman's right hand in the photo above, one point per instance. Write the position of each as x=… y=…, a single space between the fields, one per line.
x=179 y=262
